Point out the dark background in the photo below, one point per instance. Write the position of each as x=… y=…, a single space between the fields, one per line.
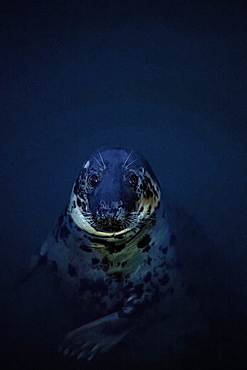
x=167 y=78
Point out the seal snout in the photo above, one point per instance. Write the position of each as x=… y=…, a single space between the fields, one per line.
x=110 y=216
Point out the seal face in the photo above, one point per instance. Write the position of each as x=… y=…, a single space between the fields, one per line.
x=114 y=194
x=111 y=252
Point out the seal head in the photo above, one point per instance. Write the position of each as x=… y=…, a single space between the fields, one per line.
x=115 y=192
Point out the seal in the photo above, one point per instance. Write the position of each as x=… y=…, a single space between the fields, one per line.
x=111 y=253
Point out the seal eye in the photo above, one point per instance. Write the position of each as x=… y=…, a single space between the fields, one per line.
x=132 y=180
x=93 y=180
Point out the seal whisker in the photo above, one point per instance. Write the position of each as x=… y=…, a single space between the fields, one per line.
x=98 y=162
x=126 y=160
x=130 y=163
x=103 y=163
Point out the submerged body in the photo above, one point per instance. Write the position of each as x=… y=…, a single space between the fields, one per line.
x=111 y=252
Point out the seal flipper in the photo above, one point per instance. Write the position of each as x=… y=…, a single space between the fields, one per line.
x=96 y=337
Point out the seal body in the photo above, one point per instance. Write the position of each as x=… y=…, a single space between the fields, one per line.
x=111 y=252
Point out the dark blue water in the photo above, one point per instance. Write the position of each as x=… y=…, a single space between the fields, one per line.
x=167 y=79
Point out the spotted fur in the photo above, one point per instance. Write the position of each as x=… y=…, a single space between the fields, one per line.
x=111 y=252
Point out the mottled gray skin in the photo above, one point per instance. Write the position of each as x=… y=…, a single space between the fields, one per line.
x=111 y=252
